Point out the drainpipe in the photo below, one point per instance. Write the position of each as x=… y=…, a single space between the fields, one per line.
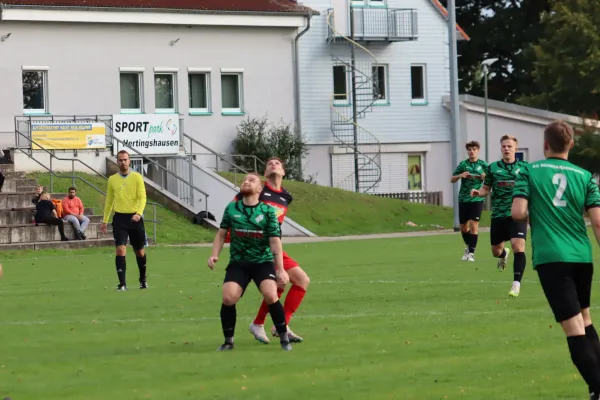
x=297 y=118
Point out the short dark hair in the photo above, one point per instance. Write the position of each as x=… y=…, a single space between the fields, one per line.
x=278 y=159
x=558 y=134
x=123 y=152
x=73 y=188
x=472 y=143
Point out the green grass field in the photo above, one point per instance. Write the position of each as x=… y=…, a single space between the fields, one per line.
x=383 y=319
x=328 y=211
x=173 y=228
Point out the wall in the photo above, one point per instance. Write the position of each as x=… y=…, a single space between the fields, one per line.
x=85 y=78
x=400 y=122
x=96 y=161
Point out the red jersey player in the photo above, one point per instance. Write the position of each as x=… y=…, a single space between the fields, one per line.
x=276 y=196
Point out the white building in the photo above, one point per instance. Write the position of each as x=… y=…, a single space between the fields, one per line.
x=401 y=73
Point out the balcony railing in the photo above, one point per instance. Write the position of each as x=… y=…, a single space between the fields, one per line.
x=377 y=24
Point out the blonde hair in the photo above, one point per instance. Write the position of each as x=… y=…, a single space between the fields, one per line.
x=45 y=196
x=509 y=137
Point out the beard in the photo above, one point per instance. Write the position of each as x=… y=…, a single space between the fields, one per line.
x=247 y=191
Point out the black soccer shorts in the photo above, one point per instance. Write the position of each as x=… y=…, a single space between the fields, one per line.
x=504 y=229
x=242 y=273
x=124 y=228
x=567 y=286
x=469 y=211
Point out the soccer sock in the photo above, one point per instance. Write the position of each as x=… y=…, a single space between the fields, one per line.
x=473 y=243
x=228 y=318
x=141 y=262
x=264 y=310
x=585 y=360
x=594 y=341
x=121 y=268
x=278 y=316
x=503 y=254
x=519 y=266
x=292 y=302
x=466 y=237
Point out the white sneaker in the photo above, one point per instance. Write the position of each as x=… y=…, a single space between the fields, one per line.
x=502 y=262
x=293 y=338
x=471 y=257
x=259 y=333
x=515 y=289
x=465 y=256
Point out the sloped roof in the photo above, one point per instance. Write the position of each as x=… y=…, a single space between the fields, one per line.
x=444 y=12
x=249 y=6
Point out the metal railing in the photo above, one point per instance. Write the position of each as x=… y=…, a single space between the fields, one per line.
x=74 y=177
x=380 y=24
x=220 y=157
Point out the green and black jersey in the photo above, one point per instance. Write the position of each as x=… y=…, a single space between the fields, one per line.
x=558 y=192
x=475 y=168
x=501 y=177
x=251 y=228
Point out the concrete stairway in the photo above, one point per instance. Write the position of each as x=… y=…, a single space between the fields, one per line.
x=17 y=230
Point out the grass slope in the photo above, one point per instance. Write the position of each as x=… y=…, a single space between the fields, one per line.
x=173 y=228
x=382 y=319
x=329 y=211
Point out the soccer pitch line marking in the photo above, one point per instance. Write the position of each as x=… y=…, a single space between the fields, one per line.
x=306 y=317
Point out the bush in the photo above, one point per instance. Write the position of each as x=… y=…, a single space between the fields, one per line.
x=258 y=137
x=586 y=151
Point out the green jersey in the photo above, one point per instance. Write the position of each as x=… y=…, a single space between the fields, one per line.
x=251 y=228
x=475 y=168
x=501 y=177
x=558 y=192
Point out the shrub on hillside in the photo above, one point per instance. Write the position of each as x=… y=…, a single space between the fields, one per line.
x=262 y=139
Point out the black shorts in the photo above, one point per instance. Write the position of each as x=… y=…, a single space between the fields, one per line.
x=469 y=211
x=124 y=228
x=242 y=273
x=567 y=286
x=504 y=229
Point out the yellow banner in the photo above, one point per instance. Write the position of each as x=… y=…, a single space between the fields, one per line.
x=68 y=135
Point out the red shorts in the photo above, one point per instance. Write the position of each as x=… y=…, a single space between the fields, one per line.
x=288 y=262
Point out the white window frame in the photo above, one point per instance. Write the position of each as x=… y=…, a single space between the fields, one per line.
x=207 y=76
x=386 y=75
x=348 y=100
x=419 y=101
x=423 y=187
x=240 y=75
x=140 y=72
x=525 y=153
x=44 y=70
x=173 y=73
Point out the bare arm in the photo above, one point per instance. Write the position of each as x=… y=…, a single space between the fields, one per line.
x=518 y=211
x=218 y=242
x=594 y=214
x=277 y=250
x=482 y=192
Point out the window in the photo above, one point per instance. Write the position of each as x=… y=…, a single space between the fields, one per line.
x=35 y=90
x=231 y=92
x=164 y=92
x=521 y=155
x=415 y=179
x=340 y=85
x=131 y=92
x=199 y=92
x=418 y=82
x=380 y=84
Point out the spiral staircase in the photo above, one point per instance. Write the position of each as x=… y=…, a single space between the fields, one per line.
x=362 y=95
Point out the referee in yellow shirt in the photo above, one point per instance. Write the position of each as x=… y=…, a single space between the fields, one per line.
x=127 y=195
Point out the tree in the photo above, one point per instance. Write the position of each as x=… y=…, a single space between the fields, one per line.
x=586 y=151
x=258 y=137
x=566 y=59
x=498 y=29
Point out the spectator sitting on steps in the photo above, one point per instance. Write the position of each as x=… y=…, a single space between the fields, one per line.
x=45 y=213
x=73 y=212
x=38 y=192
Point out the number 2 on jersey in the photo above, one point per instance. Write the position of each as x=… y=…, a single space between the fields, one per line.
x=561 y=181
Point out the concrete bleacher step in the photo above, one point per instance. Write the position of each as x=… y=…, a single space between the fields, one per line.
x=29 y=233
x=19 y=185
x=22 y=199
x=71 y=244
x=10 y=217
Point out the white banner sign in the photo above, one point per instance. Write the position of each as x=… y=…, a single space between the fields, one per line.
x=147 y=133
